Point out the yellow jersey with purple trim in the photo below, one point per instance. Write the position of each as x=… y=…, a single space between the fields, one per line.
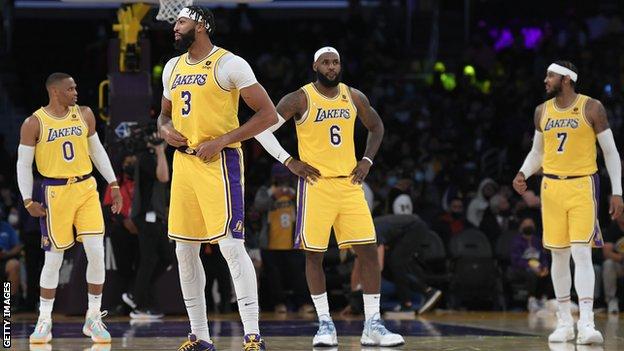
x=326 y=130
x=569 y=139
x=62 y=150
x=201 y=108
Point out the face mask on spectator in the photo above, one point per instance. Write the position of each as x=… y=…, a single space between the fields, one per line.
x=129 y=170
x=392 y=180
x=529 y=230
x=13 y=219
x=456 y=215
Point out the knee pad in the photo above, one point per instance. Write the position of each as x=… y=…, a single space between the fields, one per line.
x=94 y=249
x=189 y=263
x=233 y=250
x=50 y=272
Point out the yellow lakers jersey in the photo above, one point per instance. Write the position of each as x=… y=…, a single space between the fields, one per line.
x=281 y=224
x=325 y=132
x=62 y=150
x=569 y=140
x=201 y=108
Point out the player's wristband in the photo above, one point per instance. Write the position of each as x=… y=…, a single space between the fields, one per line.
x=288 y=160
x=28 y=203
x=114 y=186
x=368 y=159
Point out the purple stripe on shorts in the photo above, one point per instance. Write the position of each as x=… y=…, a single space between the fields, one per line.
x=236 y=193
x=300 y=210
x=596 y=235
x=46 y=244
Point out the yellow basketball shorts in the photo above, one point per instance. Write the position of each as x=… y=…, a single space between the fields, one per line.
x=332 y=202
x=207 y=198
x=67 y=206
x=570 y=211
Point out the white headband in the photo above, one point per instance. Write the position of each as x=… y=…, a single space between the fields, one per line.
x=187 y=13
x=563 y=71
x=324 y=50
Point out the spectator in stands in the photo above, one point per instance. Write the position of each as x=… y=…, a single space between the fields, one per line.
x=613 y=265
x=283 y=265
x=10 y=251
x=529 y=264
x=497 y=218
x=452 y=221
x=478 y=205
x=400 y=197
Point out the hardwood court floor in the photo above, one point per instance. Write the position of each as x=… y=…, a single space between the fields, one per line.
x=441 y=330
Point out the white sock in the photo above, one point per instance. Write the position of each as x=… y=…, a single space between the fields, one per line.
x=322 y=306
x=371 y=305
x=95 y=304
x=562 y=279
x=584 y=279
x=245 y=283
x=45 y=308
x=193 y=283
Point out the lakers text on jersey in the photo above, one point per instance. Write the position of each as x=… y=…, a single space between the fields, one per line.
x=325 y=133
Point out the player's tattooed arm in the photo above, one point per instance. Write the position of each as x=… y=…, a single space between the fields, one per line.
x=371 y=120
x=596 y=115
x=165 y=125
x=293 y=105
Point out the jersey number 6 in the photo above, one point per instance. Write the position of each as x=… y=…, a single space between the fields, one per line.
x=334 y=135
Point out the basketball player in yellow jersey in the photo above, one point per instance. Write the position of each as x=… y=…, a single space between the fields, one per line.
x=566 y=129
x=61 y=138
x=330 y=190
x=199 y=117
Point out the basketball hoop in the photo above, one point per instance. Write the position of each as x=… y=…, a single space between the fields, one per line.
x=169 y=9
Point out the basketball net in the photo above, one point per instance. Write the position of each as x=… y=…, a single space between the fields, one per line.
x=169 y=9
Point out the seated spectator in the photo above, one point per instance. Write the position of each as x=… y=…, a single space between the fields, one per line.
x=497 y=218
x=479 y=204
x=10 y=251
x=399 y=197
x=529 y=264
x=613 y=265
x=451 y=222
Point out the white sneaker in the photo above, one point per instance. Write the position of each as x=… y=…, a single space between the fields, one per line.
x=326 y=335
x=565 y=329
x=587 y=333
x=533 y=305
x=613 y=306
x=375 y=334
x=43 y=331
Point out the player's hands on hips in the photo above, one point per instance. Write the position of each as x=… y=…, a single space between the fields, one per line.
x=616 y=206
x=172 y=136
x=117 y=200
x=519 y=183
x=209 y=149
x=360 y=172
x=304 y=170
x=36 y=209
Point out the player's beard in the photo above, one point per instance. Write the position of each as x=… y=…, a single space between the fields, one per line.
x=328 y=82
x=556 y=89
x=185 y=41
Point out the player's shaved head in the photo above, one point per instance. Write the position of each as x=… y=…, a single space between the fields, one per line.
x=55 y=78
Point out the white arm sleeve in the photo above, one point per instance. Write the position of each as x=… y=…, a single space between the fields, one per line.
x=166 y=76
x=533 y=161
x=25 y=156
x=233 y=72
x=270 y=143
x=100 y=159
x=612 y=160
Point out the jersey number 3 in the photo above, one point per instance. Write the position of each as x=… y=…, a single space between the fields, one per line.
x=562 y=140
x=186 y=98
